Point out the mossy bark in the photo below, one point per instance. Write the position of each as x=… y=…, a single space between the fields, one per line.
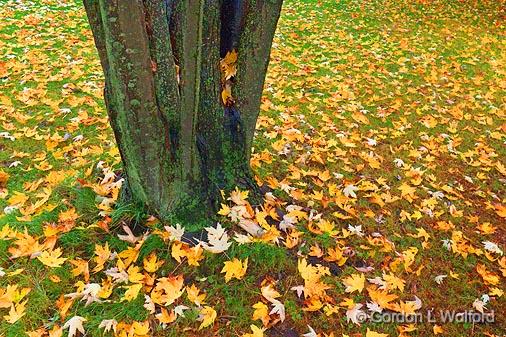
x=179 y=145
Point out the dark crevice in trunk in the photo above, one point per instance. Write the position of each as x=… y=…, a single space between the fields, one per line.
x=233 y=125
x=231 y=25
x=234 y=14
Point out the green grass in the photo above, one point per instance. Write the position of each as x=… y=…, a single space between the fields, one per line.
x=399 y=63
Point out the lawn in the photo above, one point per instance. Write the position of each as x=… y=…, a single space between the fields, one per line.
x=382 y=136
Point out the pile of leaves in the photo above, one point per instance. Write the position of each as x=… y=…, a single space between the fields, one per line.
x=382 y=136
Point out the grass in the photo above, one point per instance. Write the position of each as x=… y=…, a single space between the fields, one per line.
x=365 y=84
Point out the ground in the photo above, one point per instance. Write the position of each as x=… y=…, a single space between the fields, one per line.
x=382 y=136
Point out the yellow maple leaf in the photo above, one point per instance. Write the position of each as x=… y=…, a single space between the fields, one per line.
x=166 y=317
x=12 y=294
x=261 y=312
x=56 y=331
x=177 y=251
x=360 y=117
x=102 y=256
x=4 y=176
x=207 y=316
x=106 y=288
x=132 y=292
x=140 y=329
x=437 y=329
x=406 y=307
x=18 y=199
x=129 y=255
x=134 y=274
x=225 y=210
x=394 y=282
x=194 y=255
x=313 y=286
x=226 y=96
x=16 y=312
x=229 y=64
x=81 y=267
x=382 y=298
x=52 y=259
x=151 y=263
x=194 y=295
x=269 y=293
x=313 y=304
x=407 y=190
x=354 y=282
x=500 y=210
x=486 y=228
x=336 y=255
x=235 y=269
x=371 y=333
x=256 y=332
x=496 y=292
x=488 y=276
x=168 y=290
x=238 y=197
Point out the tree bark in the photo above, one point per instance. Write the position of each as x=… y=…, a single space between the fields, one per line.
x=180 y=145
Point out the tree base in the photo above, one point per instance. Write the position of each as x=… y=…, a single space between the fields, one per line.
x=194 y=212
x=182 y=145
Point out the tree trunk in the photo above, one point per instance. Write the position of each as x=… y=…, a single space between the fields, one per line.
x=179 y=143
